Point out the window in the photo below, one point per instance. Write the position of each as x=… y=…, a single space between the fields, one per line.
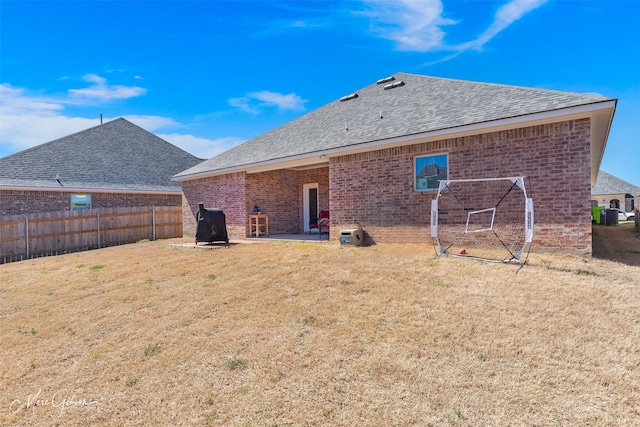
x=80 y=202
x=429 y=171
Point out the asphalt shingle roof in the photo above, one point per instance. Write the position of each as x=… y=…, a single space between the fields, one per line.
x=422 y=104
x=609 y=184
x=116 y=155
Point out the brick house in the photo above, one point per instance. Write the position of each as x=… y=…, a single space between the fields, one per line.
x=365 y=157
x=115 y=164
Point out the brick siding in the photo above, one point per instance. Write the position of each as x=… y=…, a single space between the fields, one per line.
x=279 y=194
x=18 y=202
x=224 y=192
x=375 y=188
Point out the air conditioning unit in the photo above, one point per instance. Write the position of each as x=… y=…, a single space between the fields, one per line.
x=352 y=237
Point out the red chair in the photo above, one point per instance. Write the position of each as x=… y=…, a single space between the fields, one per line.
x=323 y=223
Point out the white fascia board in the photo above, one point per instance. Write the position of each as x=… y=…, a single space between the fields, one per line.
x=600 y=128
x=321 y=157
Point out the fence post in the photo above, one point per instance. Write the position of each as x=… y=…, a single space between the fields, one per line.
x=153 y=224
x=26 y=234
x=98 y=220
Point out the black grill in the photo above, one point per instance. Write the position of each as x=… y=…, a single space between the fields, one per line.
x=212 y=226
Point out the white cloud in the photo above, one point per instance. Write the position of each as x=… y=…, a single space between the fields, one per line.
x=201 y=147
x=14 y=100
x=415 y=25
x=151 y=123
x=101 y=90
x=243 y=104
x=31 y=120
x=505 y=16
x=252 y=102
x=289 y=101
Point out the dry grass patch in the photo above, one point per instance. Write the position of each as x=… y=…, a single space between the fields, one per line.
x=289 y=333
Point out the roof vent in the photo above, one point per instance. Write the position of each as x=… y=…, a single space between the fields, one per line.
x=395 y=84
x=348 y=97
x=385 y=80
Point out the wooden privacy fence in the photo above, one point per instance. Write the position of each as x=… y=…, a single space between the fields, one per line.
x=54 y=233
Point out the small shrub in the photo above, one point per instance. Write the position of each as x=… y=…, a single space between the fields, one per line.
x=98 y=267
x=131 y=382
x=151 y=350
x=30 y=331
x=236 y=363
x=309 y=320
x=346 y=282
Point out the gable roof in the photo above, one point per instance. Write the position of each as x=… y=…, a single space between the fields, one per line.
x=114 y=156
x=609 y=184
x=419 y=107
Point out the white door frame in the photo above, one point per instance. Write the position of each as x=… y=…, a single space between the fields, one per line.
x=305 y=204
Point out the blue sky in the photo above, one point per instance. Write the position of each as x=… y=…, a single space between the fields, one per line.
x=208 y=75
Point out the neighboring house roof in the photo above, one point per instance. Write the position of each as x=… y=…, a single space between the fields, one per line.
x=419 y=107
x=114 y=156
x=609 y=184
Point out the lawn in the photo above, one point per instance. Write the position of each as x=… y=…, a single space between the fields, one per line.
x=297 y=334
